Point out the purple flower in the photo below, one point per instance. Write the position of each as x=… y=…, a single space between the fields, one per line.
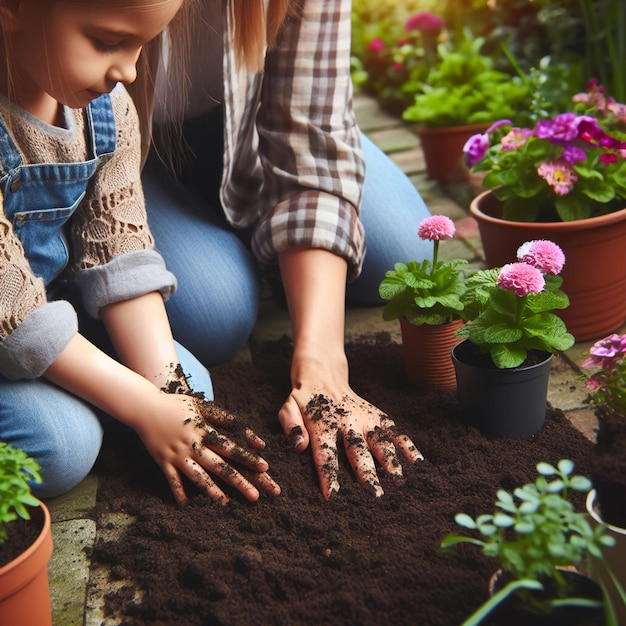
x=436 y=227
x=562 y=128
x=476 y=146
x=607 y=351
x=573 y=154
x=521 y=279
x=424 y=22
x=545 y=255
x=475 y=149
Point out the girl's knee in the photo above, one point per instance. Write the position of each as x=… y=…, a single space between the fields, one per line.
x=66 y=452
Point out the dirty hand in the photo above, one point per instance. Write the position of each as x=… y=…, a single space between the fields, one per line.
x=322 y=409
x=181 y=436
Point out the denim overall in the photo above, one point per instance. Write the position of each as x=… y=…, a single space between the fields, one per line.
x=39 y=199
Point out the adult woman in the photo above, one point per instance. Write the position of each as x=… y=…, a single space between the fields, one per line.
x=291 y=187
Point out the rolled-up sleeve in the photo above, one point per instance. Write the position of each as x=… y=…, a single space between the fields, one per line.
x=128 y=276
x=309 y=146
x=36 y=343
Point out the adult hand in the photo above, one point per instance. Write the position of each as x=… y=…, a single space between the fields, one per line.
x=182 y=437
x=320 y=410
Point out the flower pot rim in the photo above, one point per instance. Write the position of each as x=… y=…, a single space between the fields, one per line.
x=453 y=128
x=466 y=342
x=583 y=224
x=593 y=510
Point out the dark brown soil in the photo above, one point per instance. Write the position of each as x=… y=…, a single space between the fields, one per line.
x=608 y=469
x=298 y=559
x=21 y=534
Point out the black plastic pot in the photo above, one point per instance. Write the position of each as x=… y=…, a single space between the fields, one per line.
x=501 y=402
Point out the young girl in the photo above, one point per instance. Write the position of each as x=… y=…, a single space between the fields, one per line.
x=73 y=214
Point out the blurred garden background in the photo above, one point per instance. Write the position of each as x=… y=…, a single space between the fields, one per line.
x=452 y=62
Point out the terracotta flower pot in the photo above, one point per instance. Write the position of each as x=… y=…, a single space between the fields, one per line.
x=614 y=558
x=594 y=276
x=443 y=151
x=24 y=590
x=426 y=351
x=501 y=402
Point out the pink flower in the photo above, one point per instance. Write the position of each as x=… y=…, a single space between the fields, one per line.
x=559 y=175
x=545 y=255
x=592 y=385
x=436 y=227
x=376 y=45
x=521 y=279
x=424 y=22
x=514 y=139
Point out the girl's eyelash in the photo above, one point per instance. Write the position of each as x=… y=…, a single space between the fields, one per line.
x=102 y=46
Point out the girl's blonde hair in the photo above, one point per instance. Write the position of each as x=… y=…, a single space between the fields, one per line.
x=254 y=32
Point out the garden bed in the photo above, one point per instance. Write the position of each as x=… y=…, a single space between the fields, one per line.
x=296 y=558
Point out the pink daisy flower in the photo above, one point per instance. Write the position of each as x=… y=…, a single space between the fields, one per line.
x=435 y=228
x=514 y=139
x=545 y=255
x=521 y=279
x=559 y=174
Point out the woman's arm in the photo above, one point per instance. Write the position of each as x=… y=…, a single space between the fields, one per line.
x=322 y=406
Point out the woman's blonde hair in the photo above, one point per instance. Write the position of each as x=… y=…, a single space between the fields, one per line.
x=254 y=32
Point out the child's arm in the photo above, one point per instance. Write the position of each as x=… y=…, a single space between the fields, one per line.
x=140 y=332
x=162 y=420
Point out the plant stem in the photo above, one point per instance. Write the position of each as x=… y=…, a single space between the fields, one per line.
x=435 y=254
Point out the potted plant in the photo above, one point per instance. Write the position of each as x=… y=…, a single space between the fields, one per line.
x=426 y=298
x=25 y=542
x=607 y=501
x=503 y=366
x=539 y=539
x=462 y=93
x=563 y=178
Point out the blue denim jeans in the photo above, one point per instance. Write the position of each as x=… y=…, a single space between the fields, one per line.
x=216 y=305
x=62 y=432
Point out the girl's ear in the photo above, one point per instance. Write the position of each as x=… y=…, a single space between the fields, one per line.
x=8 y=15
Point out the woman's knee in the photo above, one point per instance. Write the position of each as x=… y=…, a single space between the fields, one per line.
x=216 y=304
x=391 y=211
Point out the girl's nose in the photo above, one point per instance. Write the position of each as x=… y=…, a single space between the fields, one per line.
x=124 y=70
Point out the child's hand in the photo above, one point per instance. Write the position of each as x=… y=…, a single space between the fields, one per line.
x=180 y=435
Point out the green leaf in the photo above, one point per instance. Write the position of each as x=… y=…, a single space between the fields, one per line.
x=565 y=466
x=503 y=521
x=580 y=483
x=462 y=519
x=524 y=527
x=545 y=469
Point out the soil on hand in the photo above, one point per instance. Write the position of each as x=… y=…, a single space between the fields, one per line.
x=297 y=558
